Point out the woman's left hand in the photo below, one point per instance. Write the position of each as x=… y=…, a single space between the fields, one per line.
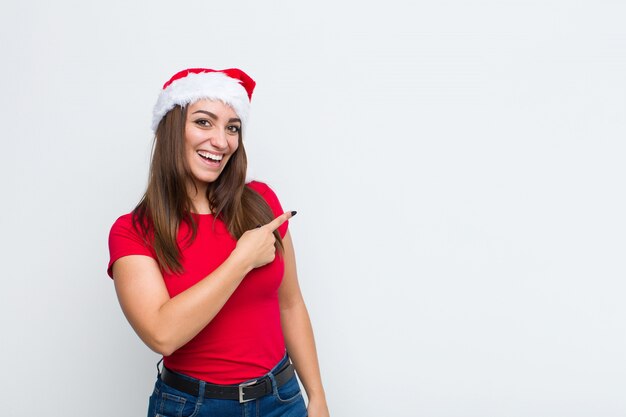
x=318 y=409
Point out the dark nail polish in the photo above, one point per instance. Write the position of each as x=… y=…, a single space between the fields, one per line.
x=293 y=213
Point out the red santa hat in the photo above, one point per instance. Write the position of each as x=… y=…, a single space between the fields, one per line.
x=231 y=86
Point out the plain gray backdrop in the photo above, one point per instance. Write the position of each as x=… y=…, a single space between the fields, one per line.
x=457 y=167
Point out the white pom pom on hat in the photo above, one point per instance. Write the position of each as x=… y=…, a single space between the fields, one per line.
x=231 y=86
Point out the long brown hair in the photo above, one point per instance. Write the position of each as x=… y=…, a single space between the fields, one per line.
x=166 y=203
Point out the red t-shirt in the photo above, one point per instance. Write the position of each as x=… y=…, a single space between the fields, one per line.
x=244 y=340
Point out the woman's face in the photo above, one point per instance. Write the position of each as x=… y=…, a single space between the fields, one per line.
x=212 y=132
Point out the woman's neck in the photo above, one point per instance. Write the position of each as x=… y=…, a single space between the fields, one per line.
x=199 y=200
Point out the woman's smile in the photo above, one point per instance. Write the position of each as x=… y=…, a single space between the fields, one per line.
x=211 y=159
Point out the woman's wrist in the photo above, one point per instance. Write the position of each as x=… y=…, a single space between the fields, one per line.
x=318 y=407
x=318 y=396
x=238 y=261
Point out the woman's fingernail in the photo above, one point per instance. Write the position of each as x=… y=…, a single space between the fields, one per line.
x=293 y=213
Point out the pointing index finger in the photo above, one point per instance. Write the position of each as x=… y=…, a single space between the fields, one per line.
x=275 y=224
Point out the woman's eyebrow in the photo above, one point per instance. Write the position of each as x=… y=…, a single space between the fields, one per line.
x=214 y=116
x=208 y=113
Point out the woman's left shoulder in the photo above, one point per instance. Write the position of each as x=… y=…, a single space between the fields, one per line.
x=260 y=187
x=268 y=194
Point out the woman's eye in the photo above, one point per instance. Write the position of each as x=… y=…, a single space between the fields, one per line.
x=203 y=122
x=234 y=129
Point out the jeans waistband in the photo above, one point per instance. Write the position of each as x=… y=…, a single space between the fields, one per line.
x=246 y=391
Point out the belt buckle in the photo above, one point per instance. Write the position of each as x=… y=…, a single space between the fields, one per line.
x=241 y=393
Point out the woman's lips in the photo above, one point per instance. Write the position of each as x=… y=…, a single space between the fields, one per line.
x=210 y=159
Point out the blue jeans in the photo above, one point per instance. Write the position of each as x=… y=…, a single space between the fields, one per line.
x=285 y=401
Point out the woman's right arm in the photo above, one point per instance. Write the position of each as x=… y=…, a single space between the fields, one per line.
x=165 y=324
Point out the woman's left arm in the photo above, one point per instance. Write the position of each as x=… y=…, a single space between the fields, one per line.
x=298 y=334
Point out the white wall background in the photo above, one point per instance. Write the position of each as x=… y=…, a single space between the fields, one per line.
x=458 y=170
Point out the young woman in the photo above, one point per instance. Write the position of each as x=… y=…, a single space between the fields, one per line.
x=204 y=266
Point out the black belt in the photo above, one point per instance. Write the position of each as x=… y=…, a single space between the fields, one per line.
x=244 y=392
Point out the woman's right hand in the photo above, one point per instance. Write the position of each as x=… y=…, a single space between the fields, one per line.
x=256 y=247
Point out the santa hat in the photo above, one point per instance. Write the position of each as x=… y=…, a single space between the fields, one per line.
x=231 y=86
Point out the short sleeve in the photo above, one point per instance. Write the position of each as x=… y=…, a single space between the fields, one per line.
x=125 y=240
x=271 y=198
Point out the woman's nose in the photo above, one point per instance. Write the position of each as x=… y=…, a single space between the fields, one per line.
x=218 y=139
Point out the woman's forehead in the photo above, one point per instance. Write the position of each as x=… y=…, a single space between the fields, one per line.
x=217 y=107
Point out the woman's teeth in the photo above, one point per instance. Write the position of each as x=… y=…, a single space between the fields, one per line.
x=210 y=156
